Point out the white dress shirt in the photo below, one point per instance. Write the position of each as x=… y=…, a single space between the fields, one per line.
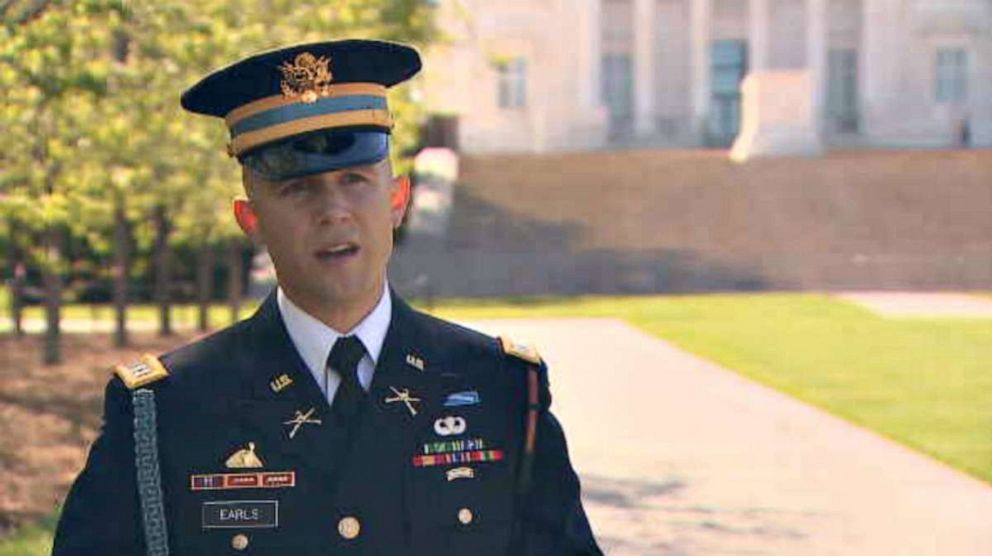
x=314 y=339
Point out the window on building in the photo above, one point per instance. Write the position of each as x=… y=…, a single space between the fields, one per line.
x=618 y=91
x=728 y=65
x=951 y=75
x=842 y=90
x=513 y=83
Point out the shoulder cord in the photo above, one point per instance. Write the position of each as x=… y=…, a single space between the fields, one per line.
x=149 y=474
x=530 y=440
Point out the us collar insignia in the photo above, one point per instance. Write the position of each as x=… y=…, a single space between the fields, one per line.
x=244 y=459
x=306 y=77
x=301 y=419
x=405 y=397
x=281 y=382
x=415 y=362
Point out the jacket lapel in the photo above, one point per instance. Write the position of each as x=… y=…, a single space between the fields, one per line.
x=285 y=405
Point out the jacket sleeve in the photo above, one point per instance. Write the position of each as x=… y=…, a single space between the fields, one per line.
x=553 y=521
x=101 y=515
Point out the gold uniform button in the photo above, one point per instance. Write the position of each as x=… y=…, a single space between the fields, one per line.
x=349 y=527
x=239 y=542
x=465 y=516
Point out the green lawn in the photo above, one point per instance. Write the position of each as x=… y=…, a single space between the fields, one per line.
x=30 y=541
x=926 y=383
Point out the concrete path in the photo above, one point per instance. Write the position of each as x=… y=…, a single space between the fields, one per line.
x=681 y=457
x=922 y=304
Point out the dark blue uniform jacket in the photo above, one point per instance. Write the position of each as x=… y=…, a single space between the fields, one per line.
x=323 y=492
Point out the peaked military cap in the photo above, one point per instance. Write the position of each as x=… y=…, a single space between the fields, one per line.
x=308 y=108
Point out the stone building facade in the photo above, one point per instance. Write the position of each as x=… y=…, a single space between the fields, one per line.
x=565 y=75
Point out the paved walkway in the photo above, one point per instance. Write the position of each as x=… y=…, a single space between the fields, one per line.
x=922 y=304
x=681 y=457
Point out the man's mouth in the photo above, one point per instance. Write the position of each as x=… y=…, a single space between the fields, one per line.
x=337 y=252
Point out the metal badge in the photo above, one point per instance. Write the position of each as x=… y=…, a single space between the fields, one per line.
x=244 y=459
x=307 y=77
x=451 y=425
x=301 y=419
x=405 y=397
x=460 y=473
x=415 y=362
x=280 y=382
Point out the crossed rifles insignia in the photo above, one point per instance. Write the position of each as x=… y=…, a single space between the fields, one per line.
x=301 y=419
x=405 y=397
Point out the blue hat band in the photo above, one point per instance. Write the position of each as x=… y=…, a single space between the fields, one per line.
x=299 y=111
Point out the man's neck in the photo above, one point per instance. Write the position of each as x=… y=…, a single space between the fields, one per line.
x=341 y=317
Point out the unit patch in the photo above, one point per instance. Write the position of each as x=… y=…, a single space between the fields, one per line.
x=458 y=399
x=234 y=481
x=454 y=446
x=247 y=514
x=458 y=457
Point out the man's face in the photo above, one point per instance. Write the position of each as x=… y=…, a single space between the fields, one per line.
x=329 y=235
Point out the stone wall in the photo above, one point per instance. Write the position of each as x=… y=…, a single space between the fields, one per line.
x=680 y=221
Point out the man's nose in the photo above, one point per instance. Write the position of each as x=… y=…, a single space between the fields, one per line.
x=331 y=205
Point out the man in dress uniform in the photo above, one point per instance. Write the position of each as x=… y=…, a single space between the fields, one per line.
x=336 y=420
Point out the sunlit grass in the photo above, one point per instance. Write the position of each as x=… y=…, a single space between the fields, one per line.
x=34 y=540
x=926 y=383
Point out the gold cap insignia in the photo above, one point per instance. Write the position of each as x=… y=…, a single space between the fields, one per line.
x=307 y=77
x=244 y=459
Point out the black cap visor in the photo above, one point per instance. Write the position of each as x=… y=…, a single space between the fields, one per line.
x=316 y=153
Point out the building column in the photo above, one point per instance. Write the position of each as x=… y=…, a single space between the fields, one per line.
x=590 y=56
x=816 y=59
x=700 y=14
x=758 y=44
x=644 y=67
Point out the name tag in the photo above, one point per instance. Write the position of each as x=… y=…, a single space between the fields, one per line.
x=241 y=514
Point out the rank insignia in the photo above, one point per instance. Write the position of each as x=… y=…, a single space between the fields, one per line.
x=233 y=481
x=280 y=382
x=144 y=372
x=415 y=362
x=405 y=397
x=451 y=425
x=521 y=351
x=478 y=456
x=457 y=399
x=301 y=419
x=460 y=473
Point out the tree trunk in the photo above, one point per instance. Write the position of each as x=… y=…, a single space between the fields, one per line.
x=16 y=293
x=204 y=284
x=163 y=268
x=234 y=285
x=121 y=271
x=52 y=279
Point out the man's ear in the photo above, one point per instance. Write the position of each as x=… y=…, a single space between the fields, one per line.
x=246 y=217
x=399 y=199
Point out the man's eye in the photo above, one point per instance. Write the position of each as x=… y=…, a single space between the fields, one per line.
x=291 y=187
x=352 y=177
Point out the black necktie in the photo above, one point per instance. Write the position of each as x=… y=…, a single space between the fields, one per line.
x=350 y=396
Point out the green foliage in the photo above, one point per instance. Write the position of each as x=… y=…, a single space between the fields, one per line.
x=89 y=106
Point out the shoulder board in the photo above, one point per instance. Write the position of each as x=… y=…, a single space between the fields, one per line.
x=526 y=352
x=146 y=371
